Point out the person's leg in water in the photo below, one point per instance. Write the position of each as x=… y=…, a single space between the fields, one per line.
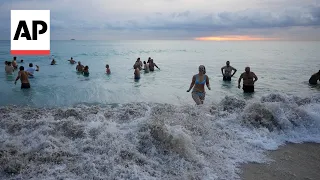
x=25 y=85
x=198 y=97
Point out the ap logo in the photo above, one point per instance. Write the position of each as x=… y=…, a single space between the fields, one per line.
x=30 y=32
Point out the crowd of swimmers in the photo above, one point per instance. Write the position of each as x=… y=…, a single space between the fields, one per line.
x=197 y=85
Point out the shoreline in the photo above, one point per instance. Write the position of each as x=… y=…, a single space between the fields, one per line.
x=289 y=162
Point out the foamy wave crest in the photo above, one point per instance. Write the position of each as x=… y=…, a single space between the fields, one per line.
x=151 y=141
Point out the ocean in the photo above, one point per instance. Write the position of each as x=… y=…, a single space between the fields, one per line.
x=68 y=126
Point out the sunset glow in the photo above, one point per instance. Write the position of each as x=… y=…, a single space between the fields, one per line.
x=233 y=38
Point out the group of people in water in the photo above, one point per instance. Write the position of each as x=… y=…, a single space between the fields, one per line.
x=197 y=85
x=146 y=66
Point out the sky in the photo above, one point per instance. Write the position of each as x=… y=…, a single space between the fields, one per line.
x=174 y=19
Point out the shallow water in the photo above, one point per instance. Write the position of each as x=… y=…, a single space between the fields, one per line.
x=110 y=127
x=280 y=66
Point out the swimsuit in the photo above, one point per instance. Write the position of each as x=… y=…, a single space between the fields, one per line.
x=25 y=85
x=198 y=96
x=136 y=77
x=227 y=78
x=248 y=89
x=86 y=74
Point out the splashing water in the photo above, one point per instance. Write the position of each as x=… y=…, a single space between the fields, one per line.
x=151 y=141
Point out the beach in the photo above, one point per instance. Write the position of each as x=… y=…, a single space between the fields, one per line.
x=289 y=162
x=70 y=126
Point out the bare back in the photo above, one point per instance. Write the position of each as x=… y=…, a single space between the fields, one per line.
x=24 y=76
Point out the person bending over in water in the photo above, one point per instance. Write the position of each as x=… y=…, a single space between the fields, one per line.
x=31 y=69
x=198 y=81
x=79 y=67
x=23 y=76
x=9 y=69
x=248 y=82
x=227 y=71
x=152 y=65
x=136 y=73
x=14 y=63
x=86 y=71
x=314 y=78
x=146 y=67
x=108 y=69
x=53 y=62
x=72 y=61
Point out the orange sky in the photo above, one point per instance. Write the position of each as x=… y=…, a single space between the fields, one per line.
x=233 y=38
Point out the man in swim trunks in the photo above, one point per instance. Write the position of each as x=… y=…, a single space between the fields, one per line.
x=23 y=76
x=248 y=82
x=9 y=69
x=198 y=81
x=227 y=71
x=31 y=69
x=79 y=67
x=314 y=78
x=152 y=65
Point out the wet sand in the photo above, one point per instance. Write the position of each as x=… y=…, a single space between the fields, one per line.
x=291 y=162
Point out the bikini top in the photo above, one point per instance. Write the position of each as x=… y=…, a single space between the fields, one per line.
x=197 y=80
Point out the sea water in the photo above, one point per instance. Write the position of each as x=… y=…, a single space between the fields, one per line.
x=68 y=126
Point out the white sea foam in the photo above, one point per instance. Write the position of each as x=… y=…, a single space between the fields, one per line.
x=151 y=141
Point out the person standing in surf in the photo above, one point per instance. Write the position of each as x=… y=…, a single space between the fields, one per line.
x=227 y=71
x=14 y=63
x=72 y=61
x=31 y=69
x=146 y=67
x=108 y=69
x=249 y=78
x=152 y=65
x=136 y=73
x=314 y=78
x=23 y=76
x=8 y=68
x=197 y=83
x=79 y=67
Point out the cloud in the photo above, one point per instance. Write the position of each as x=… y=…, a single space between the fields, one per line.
x=184 y=19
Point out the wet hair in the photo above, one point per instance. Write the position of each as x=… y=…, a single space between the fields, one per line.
x=202 y=69
x=21 y=60
x=14 y=58
x=228 y=62
x=6 y=62
x=9 y=63
x=107 y=66
x=86 y=68
x=21 y=68
x=144 y=62
x=71 y=58
x=30 y=65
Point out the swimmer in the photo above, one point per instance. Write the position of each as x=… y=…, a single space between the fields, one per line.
x=137 y=73
x=152 y=65
x=9 y=69
x=198 y=82
x=79 y=67
x=72 y=61
x=146 y=67
x=248 y=82
x=138 y=64
x=108 y=69
x=23 y=76
x=227 y=72
x=53 y=62
x=314 y=78
x=21 y=61
x=14 y=63
x=31 y=69
x=86 y=71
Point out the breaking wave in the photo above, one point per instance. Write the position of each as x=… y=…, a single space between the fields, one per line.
x=151 y=141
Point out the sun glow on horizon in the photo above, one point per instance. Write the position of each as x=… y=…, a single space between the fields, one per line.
x=233 y=38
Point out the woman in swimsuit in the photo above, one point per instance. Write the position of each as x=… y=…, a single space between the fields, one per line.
x=198 y=82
